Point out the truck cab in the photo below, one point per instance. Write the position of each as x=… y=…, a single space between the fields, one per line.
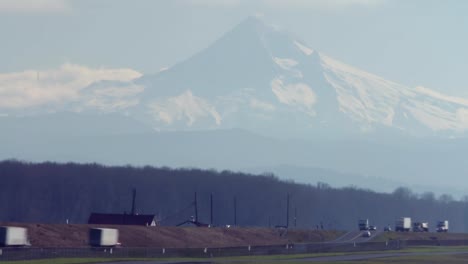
x=442 y=226
x=363 y=224
x=421 y=227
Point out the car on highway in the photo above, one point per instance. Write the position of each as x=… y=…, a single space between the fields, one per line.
x=372 y=228
x=366 y=234
x=387 y=229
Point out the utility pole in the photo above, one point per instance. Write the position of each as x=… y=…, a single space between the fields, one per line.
x=133 y=201
x=287 y=211
x=196 y=208
x=295 y=216
x=235 y=211
x=211 y=209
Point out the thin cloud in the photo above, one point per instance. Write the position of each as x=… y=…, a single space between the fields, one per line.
x=34 y=6
x=213 y=3
x=328 y=4
x=22 y=90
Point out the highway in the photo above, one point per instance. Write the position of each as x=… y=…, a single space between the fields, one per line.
x=355 y=236
x=368 y=256
x=350 y=257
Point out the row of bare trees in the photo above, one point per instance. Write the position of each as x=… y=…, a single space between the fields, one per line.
x=51 y=193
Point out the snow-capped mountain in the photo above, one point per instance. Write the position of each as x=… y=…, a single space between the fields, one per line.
x=264 y=79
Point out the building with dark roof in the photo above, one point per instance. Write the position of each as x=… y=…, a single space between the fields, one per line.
x=122 y=219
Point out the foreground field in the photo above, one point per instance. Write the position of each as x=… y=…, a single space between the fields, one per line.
x=67 y=244
x=417 y=255
x=420 y=236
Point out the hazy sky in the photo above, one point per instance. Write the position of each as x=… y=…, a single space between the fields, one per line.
x=417 y=42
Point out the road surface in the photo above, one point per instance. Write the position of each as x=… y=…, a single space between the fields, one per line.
x=350 y=257
x=355 y=236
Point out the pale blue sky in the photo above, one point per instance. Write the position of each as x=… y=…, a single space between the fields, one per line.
x=412 y=42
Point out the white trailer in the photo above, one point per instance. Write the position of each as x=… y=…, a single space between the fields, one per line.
x=403 y=224
x=103 y=237
x=11 y=236
x=443 y=226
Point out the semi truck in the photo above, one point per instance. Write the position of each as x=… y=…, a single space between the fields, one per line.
x=363 y=224
x=103 y=237
x=421 y=227
x=443 y=226
x=11 y=236
x=403 y=224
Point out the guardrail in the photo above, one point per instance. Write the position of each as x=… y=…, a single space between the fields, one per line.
x=123 y=252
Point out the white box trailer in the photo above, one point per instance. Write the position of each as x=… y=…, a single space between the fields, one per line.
x=403 y=224
x=11 y=236
x=103 y=237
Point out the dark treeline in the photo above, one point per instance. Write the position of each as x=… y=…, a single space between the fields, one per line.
x=51 y=193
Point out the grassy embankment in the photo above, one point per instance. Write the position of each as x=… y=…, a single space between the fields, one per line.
x=285 y=259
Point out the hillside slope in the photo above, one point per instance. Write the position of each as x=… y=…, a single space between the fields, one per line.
x=62 y=235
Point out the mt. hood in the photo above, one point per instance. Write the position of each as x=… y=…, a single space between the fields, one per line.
x=261 y=78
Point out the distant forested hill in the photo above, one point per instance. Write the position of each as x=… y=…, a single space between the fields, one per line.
x=52 y=193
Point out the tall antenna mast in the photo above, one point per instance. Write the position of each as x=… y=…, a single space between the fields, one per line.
x=287 y=211
x=211 y=209
x=235 y=211
x=196 y=208
x=133 y=201
x=295 y=216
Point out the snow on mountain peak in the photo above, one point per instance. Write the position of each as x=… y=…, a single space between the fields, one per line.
x=367 y=97
x=307 y=51
x=296 y=94
x=182 y=107
x=440 y=96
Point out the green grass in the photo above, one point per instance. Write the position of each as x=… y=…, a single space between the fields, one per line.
x=284 y=258
x=71 y=260
x=385 y=236
x=435 y=249
x=433 y=259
